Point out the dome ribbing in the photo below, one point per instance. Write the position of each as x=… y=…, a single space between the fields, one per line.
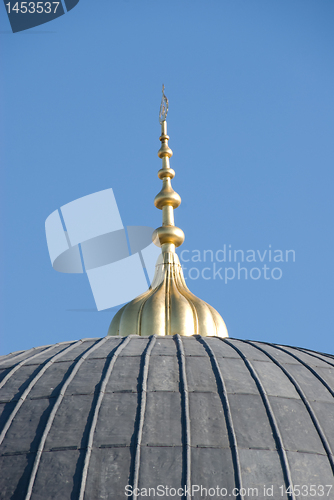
x=84 y=419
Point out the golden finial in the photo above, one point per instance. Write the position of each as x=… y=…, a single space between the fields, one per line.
x=167 y=307
x=168 y=236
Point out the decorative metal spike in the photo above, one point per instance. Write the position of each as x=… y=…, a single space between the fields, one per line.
x=168 y=236
x=168 y=307
x=163 y=106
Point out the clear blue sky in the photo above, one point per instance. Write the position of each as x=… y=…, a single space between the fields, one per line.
x=250 y=85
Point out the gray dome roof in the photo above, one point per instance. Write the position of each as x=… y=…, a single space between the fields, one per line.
x=84 y=419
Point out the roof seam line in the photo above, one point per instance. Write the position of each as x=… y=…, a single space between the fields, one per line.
x=185 y=411
x=142 y=411
x=300 y=391
x=271 y=416
x=310 y=353
x=16 y=367
x=53 y=414
x=112 y=361
x=316 y=374
x=305 y=351
x=30 y=386
x=227 y=413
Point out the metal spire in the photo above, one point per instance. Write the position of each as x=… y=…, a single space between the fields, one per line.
x=167 y=307
x=168 y=236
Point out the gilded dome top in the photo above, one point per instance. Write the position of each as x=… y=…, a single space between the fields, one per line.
x=167 y=307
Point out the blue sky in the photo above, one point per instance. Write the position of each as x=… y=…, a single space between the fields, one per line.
x=250 y=86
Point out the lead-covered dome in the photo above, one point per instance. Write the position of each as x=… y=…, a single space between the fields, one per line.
x=82 y=420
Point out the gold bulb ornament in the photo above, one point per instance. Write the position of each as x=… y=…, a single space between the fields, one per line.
x=167 y=307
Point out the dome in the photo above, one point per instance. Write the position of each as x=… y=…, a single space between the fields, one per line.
x=88 y=419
